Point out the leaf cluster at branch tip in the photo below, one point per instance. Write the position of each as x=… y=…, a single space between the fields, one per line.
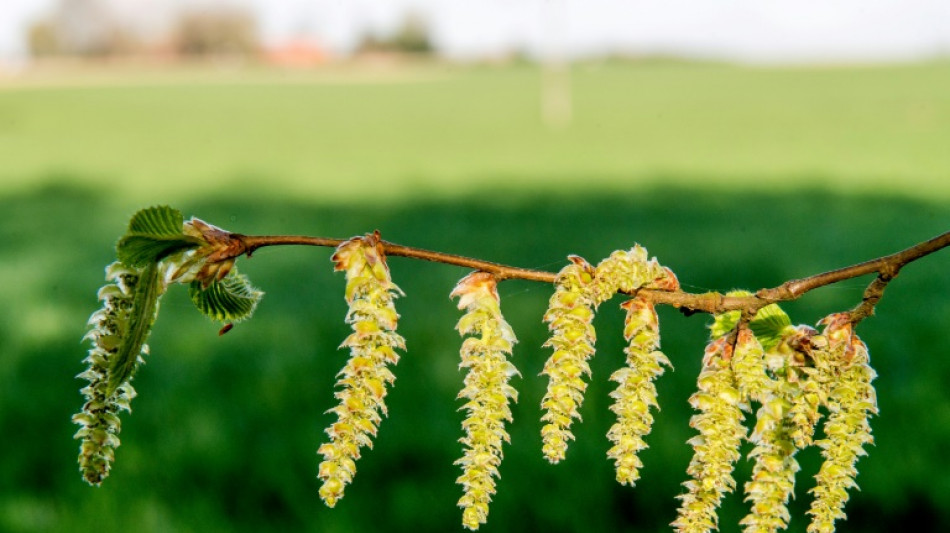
x=154 y=234
x=158 y=249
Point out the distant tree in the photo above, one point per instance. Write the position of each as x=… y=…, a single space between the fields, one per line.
x=43 y=39
x=220 y=31
x=80 y=28
x=411 y=37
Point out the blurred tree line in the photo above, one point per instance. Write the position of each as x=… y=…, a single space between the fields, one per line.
x=412 y=36
x=104 y=28
x=95 y=28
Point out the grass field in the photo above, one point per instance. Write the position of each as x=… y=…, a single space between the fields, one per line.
x=733 y=177
x=449 y=131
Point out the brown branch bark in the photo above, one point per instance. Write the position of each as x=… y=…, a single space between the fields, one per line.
x=500 y=271
x=886 y=268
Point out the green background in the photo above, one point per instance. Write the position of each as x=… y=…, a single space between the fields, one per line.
x=734 y=177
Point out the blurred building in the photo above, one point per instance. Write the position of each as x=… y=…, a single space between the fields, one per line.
x=298 y=53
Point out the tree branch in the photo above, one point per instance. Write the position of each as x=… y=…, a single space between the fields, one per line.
x=886 y=268
x=500 y=271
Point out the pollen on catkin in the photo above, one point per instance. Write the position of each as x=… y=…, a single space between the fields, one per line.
x=716 y=448
x=629 y=270
x=99 y=419
x=569 y=317
x=635 y=393
x=486 y=391
x=748 y=365
x=844 y=368
x=363 y=380
x=793 y=357
x=773 y=474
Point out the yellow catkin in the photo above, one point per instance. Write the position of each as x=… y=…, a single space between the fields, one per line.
x=793 y=356
x=363 y=380
x=749 y=366
x=627 y=271
x=486 y=392
x=773 y=474
x=844 y=370
x=569 y=317
x=579 y=290
x=716 y=448
x=635 y=394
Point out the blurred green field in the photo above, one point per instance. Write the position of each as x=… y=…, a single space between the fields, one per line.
x=733 y=177
x=442 y=130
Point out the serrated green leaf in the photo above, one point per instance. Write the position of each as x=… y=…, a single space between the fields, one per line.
x=153 y=234
x=232 y=298
x=138 y=251
x=144 y=308
x=770 y=325
x=158 y=220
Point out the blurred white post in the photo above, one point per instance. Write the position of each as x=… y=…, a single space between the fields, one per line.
x=556 y=100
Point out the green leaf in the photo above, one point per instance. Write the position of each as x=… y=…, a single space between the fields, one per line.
x=232 y=298
x=154 y=233
x=144 y=309
x=770 y=325
x=158 y=220
x=725 y=322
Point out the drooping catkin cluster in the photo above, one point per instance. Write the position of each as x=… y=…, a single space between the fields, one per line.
x=579 y=290
x=635 y=393
x=793 y=374
x=716 y=448
x=487 y=392
x=99 y=418
x=798 y=373
x=844 y=370
x=363 y=380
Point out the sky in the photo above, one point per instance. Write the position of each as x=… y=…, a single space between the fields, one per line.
x=743 y=30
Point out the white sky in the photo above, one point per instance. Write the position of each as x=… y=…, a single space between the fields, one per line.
x=749 y=30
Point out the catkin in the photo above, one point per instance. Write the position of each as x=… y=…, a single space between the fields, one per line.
x=773 y=474
x=99 y=419
x=635 y=394
x=569 y=317
x=486 y=392
x=716 y=448
x=363 y=380
x=579 y=290
x=844 y=369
